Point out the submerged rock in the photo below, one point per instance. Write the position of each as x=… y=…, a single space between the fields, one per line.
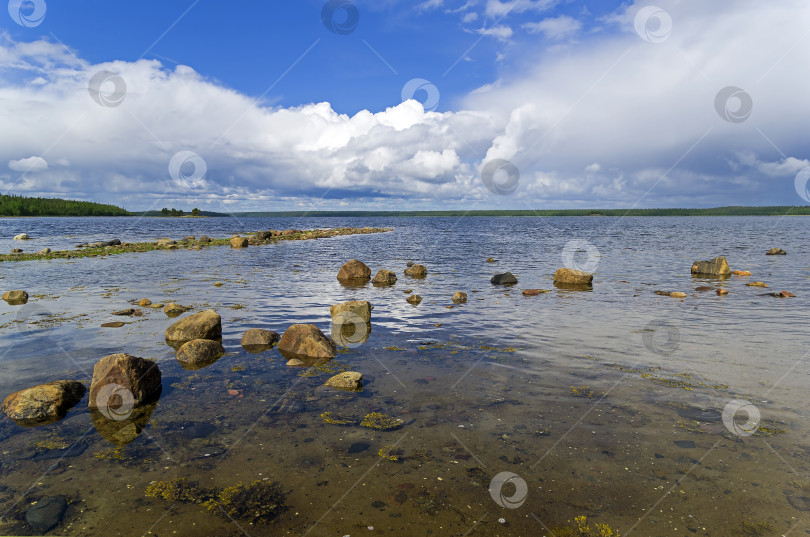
x=742 y=272
x=44 y=251
x=507 y=278
x=302 y=341
x=43 y=404
x=756 y=284
x=128 y=311
x=677 y=294
x=347 y=381
x=354 y=271
x=46 y=514
x=256 y=340
x=776 y=251
x=534 y=292
x=722 y=292
x=144 y=302
x=204 y=325
x=713 y=267
x=16 y=298
x=414 y=299
x=459 y=297
x=122 y=382
x=384 y=277
x=573 y=276
x=416 y=271
x=122 y=425
x=22 y=237
x=199 y=353
x=490 y=259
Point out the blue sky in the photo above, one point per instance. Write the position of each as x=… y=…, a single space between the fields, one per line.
x=593 y=104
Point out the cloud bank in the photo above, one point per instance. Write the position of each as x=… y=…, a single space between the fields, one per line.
x=603 y=120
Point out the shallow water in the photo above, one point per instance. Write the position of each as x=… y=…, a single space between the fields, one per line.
x=559 y=389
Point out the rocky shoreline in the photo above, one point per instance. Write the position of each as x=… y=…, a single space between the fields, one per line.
x=115 y=246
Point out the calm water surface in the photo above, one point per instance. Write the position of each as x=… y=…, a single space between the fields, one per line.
x=607 y=402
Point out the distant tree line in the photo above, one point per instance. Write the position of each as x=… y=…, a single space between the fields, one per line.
x=178 y=212
x=11 y=205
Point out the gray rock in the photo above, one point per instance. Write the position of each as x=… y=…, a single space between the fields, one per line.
x=46 y=514
x=22 y=237
x=507 y=278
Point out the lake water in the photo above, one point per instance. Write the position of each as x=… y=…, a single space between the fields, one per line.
x=606 y=403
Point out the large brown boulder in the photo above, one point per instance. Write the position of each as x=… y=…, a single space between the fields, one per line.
x=354 y=270
x=352 y=308
x=573 y=276
x=122 y=382
x=16 y=298
x=121 y=428
x=416 y=271
x=43 y=404
x=239 y=242
x=384 y=277
x=713 y=267
x=199 y=353
x=256 y=340
x=204 y=325
x=307 y=341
